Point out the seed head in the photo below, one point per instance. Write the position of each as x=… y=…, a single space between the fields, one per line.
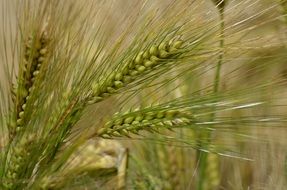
x=143 y=63
x=135 y=121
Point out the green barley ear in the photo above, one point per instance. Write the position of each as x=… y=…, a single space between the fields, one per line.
x=162 y=154
x=35 y=53
x=212 y=180
x=168 y=160
x=148 y=119
x=19 y=160
x=133 y=69
x=175 y=170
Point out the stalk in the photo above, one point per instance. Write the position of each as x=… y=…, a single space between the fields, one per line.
x=203 y=156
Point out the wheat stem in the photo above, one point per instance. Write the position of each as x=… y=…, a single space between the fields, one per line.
x=202 y=155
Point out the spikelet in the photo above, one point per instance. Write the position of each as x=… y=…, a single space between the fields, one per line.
x=143 y=63
x=133 y=122
x=35 y=53
x=18 y=159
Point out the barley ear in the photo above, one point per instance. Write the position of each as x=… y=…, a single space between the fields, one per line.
x=212 y=172
x=35 y=53
x=19 y=158
x=133 y=122
x=143 y=63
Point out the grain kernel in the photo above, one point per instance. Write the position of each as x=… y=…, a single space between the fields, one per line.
x=163 y=54
x=118 y=84
x=119 y=76
x=139 y=58
x=141 y=69
x=129 y=120
x=148 y=63
x=177 y=44
x=153 y=50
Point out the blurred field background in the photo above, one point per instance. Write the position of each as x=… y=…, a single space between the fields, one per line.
x=246 y=148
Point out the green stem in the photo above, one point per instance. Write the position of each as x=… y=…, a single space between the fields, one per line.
x=202 y=158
